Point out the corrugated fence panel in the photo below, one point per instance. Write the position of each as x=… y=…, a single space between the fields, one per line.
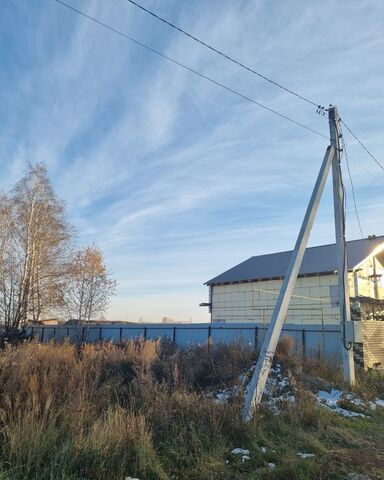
x=93 y=334
x=133 y=333
x=332 y=342
x=61 y=334
x=49 y=333
x=110 y=334
x=243 y=335
x=196 y=335
x=159 y=332
x=308 y=339
x=296 y=336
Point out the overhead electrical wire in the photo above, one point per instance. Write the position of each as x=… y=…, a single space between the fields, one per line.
x=361 y=143
x=219 y=52
x=195 y=72
x=362 y=167
x=225 y=87
x=345 y=153
x=240 y=64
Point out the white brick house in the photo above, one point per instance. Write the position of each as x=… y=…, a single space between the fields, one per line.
x=248 y=291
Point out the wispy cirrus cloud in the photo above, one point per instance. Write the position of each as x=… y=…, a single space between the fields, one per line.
x=175 y=178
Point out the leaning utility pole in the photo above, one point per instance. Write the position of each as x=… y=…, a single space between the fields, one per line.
x=256 y=386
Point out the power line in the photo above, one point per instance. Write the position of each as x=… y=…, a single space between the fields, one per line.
x=182 y=65
x=365 y=148
x=352 y=186
x=231 y=59
x=362 y=167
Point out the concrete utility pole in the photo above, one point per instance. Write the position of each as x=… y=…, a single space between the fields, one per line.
x=332 y=157
x=342 y=264
x=256 y=386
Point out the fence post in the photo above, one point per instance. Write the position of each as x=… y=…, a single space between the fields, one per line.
x=256 y=333
x=145 y=333
x=174 y=335
x=303 y=341
x=209 y=338
x=322 y=333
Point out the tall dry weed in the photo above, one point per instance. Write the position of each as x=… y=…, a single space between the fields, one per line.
x=112 y=411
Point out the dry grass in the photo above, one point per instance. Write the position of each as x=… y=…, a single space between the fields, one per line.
x=141 y=410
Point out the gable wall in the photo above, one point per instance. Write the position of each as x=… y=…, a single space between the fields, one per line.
x=316 y=300
x=365 y=285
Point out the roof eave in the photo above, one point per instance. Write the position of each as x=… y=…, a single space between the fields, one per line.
x=265 y=279
x=378 y=249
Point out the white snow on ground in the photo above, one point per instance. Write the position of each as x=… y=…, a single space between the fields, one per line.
x=305 y=455
x=240 y=451
x=243 y=452
x=223 y=395
x=331 y=399
x=277 y=390
x=355 y=400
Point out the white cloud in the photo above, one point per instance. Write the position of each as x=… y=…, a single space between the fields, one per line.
x=175 y=178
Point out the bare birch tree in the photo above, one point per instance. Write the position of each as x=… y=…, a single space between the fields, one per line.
x=34 y=239
x=89 y=285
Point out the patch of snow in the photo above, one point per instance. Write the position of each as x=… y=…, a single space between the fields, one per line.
x=355 y=400
x=277 y=389
x=271 y=465
x=331 y=399
x=245 y=458
x=357 y=476
x=348 y=413
x=305 y=455
x=223 y=396
x=240 y=451
x=263 y=449
x=376 y=403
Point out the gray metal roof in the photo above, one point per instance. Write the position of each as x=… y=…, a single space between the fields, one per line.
x=316 y=260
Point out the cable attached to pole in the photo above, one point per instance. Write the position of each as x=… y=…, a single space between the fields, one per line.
x=362 y=145
x=195 y=72
x=344 y=151
x=227 y=57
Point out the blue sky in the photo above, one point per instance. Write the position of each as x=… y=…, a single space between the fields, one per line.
x=175 y=179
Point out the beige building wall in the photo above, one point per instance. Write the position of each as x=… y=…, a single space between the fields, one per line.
x=315 y=298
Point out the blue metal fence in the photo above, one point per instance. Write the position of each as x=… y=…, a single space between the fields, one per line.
x=309 y=339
